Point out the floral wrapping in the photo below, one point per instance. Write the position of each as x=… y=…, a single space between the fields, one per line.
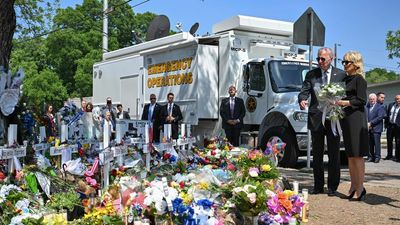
x=327 y=95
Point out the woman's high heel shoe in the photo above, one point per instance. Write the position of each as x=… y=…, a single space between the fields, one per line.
x=362 y=196
x=351 y=195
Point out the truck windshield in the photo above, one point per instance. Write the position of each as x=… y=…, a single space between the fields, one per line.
x=287 y=76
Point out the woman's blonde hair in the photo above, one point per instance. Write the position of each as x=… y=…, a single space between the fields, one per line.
x=357 y=60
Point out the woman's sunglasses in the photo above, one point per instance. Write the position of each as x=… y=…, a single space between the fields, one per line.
x=345 y=62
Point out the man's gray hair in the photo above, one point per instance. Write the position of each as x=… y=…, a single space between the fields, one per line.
x=329 y=50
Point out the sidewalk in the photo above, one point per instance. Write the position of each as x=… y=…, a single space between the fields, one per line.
x=382 y=203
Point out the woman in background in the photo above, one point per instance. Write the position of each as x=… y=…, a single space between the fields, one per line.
x=50 y=121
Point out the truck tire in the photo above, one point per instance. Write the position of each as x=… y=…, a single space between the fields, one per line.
x=290 y=154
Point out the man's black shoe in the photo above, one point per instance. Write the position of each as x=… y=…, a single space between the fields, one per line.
x=316 y=191
x=371 y=160
x=331 y=192
x=376 y=161
x=396 y=160
x=388 y=157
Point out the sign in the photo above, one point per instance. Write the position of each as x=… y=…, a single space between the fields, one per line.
x=309 y=23
x=9 y=153
x=40 y=147
x=58 y=151
x=120 y=151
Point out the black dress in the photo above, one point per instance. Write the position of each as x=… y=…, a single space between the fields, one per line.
x=354 y=124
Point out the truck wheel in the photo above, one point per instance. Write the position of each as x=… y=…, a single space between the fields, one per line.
x=289 y=156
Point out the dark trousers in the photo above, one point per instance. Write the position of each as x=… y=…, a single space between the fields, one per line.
x=374 y=145
x=156 y=134
x=397 y=140
x=233 y=134
x=318 y=139
x=391 y=129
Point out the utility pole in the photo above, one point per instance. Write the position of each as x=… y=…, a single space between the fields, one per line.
x=335 y=49
x=105 y=27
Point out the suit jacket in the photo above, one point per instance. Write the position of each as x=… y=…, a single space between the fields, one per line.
x=176 y=112
x=239 y=112
x=155 y=118
x=313 y=77
x=125 y=115
x=375 y=117
x=389 y=109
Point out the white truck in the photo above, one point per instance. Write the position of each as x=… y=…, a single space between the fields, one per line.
x=256 y=55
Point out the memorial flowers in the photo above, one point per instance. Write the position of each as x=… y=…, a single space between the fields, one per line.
x=283 y=206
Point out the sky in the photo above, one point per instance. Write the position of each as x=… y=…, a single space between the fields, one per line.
x=359 y=25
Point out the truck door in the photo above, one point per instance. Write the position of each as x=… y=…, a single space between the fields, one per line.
x=130 y=94
x=254 y=85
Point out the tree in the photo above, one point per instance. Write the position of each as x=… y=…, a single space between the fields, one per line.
x=45 y=87
x=78 y=44
x=7 y=29
x=393 y=44
x=379 y=75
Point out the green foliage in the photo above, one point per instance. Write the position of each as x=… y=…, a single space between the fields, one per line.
x=393 y=44
x=45 y=87
x=33 y=221
x=64 y=200
x=379 y=75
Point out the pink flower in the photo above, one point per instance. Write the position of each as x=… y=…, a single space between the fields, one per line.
x=252 y=197
x=253 y=172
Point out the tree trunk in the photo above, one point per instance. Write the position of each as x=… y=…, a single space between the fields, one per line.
x=7 y=28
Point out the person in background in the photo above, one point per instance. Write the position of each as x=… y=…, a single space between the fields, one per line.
x=171 y=114
x=121 y=114
x=232 y=111
x=109 y=108
x=375 y=114
x=151 y=113
x=380 y=97
x=50 y=121
x=89 y=107
x=393 y=129
x=354 y=123
x=83 y=105
x=325 y=74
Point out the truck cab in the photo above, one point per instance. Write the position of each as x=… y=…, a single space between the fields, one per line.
x=270 y=89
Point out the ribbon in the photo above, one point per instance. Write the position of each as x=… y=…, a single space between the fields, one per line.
x=90 y=172
x=335 y=124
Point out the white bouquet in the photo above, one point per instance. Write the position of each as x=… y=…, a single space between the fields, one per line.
x=327 y=95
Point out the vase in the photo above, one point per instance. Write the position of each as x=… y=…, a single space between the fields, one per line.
x=251 y=220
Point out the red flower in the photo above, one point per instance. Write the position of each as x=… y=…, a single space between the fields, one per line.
x=181 y=184
x=213 y=152
x=231 y=167
x=166 y=156
x=81 y=152
x=114 y=172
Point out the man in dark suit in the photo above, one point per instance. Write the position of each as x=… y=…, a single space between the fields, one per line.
x=325 y=74
x=375 y=114
x=121 y=114
x=232 y=112
x=393 y=129
x=151 y=112
x=171 y=114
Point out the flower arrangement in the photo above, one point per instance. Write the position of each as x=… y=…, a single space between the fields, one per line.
x=249 y=199
x=282 y=206
x=257 y=166
x=327 y=95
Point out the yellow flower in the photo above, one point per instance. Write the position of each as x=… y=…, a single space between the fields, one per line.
x=226 y=148
x=174 y=184
x=57 y=143
x=266 y=168
x=203 y=185
x=187 y=199
x=288 y=192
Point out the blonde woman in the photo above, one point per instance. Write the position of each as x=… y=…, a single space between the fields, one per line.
x=354 y=124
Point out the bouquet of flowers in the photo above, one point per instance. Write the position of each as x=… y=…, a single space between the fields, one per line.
x=327 y=95
x=281 y=207
x=257 y=166
x=249 y=199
